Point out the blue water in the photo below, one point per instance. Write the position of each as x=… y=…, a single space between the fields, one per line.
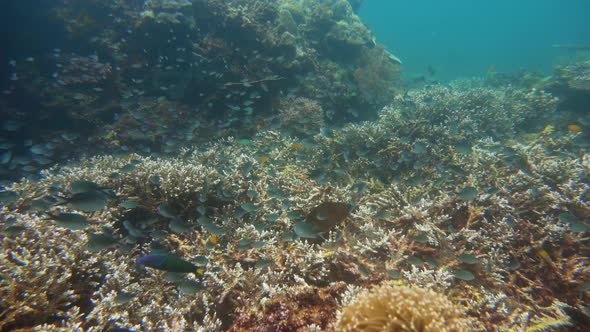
x=462 y=38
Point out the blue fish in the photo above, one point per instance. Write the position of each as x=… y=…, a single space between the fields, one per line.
x=169 y=262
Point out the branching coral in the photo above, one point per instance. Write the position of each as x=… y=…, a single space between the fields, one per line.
x=44 y=273
x=511 y=251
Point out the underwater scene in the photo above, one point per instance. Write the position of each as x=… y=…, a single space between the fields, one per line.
x=274 y=166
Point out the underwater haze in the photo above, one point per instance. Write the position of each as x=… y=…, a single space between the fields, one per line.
x=294 y=165
x=463 y=38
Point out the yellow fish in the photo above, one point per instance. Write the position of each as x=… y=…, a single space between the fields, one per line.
x=575 y=128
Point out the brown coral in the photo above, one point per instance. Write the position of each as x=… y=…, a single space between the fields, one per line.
x=377 y=76
x=294 y=312
x=43 y=273
x=401 y=308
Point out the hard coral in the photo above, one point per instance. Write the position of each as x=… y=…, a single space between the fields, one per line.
x=302 y=115
x=44 y=273
x=297 y=312
x=401 y=308
x=83 y=70
x=375 y=74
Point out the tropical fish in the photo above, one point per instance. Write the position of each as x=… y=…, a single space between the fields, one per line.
x=132 y=230
x=169 y=263
x=306 y=230
x=73 y=221
x=80 y=186
x=167 y=211
x=5 y=157
x=100 y=241
x=468 y=194
x=123 y=297
x=90 y=189
x=575 y=128
x=296 y=146
x=249 y=207
x=128 y=167
x=188 y=287
x=245 y=141
x=468 y=258
x=327 y=215
x=213 y=239
x=464 y=275
x=210 y=226
x=130 y=204
x=89 y=201
x=154 y=179
x=392 y=58
x=177 y=225
x=14 y=230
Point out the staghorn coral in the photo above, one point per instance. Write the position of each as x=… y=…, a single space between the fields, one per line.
x=575 y=76
x=439 y=120
x=571 y=84
x=45 y=272
x=475 y=111
x=181 y=181
x=520 y=229
x=401 y=308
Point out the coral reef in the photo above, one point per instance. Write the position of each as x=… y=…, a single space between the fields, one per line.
x=374 y=68
x=493 y=216
x=572 y=85
x=217 y=132
x=575 y=76
x=83 y=70
x=421 y=132
x=310 y=309
x=45 y=272
x=227 y=64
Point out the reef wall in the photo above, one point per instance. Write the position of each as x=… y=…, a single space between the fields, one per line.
x=206 y=68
